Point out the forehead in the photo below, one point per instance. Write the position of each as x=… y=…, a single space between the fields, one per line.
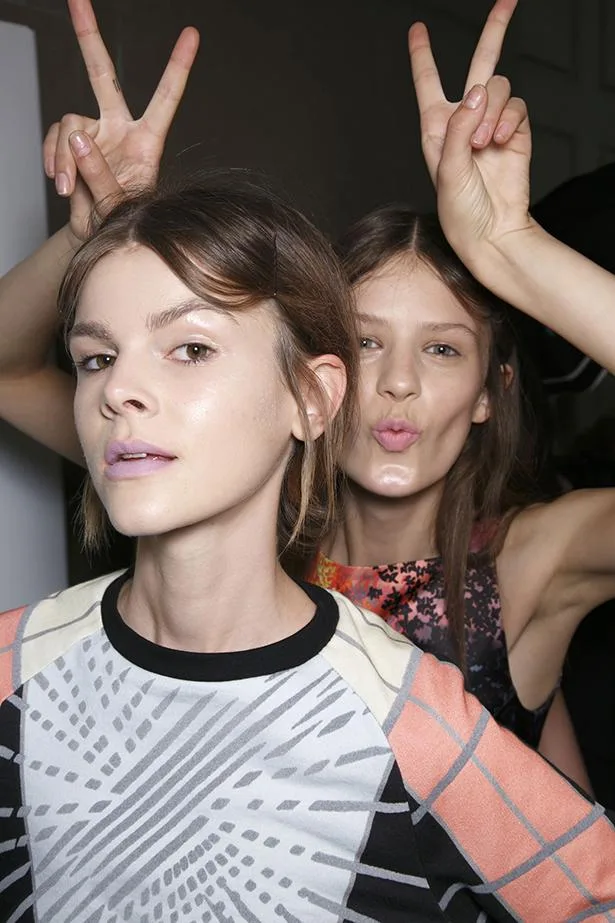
x=407 y=290
x=132 y=276
x=133 y=291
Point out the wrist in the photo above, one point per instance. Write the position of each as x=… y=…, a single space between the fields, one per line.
x=500 y=260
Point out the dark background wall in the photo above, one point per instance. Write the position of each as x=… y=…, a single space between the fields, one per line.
x=317 y=95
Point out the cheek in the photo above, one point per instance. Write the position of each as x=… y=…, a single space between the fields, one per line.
x=85 y=414
x=368 y=378
x=453 y=399
x=367 y=399
x=238 y=406
x=451 y=423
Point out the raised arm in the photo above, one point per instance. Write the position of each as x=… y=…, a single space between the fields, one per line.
x=478 y=155
x=34 y=396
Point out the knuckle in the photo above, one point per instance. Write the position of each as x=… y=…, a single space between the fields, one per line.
x=457 y=122
x=518 y=104
x=95 y=168
x=71 y=121
x=501 y=83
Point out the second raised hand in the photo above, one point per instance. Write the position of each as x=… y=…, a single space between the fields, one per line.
x=435 y=110
x=131 y=147
x=477 y=151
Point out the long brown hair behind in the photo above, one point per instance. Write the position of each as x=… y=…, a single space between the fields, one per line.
x=496 y=471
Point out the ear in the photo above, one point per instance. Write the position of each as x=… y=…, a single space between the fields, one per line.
x=482 y=408
x=322 y=398
x=508 y=373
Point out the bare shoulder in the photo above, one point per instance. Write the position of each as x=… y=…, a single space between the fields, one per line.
x=555 y=523
x=561 y=546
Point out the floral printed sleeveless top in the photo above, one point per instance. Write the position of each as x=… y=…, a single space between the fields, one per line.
x=410 y=598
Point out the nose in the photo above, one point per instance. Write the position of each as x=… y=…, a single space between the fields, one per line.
x=127 y=391
x=399 y=378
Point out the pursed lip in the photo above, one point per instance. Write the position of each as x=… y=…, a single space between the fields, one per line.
x=395 y=435
x=395 y=425
x=117 y=451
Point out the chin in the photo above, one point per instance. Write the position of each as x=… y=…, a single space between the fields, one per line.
x=394 y=491
x=139 y=524
x=394 y=481
x=391 y=488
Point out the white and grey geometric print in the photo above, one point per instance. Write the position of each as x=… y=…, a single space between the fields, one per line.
x=151 y=798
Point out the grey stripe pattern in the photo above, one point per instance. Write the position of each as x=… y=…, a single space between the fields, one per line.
x=178 y=800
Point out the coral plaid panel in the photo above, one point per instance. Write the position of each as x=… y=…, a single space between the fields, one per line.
x=458 y=768
x=9 y=627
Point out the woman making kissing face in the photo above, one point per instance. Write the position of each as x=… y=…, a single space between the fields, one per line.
x=438 y=464
x=421 y=383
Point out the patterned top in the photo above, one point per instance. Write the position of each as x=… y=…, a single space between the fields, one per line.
x=339 y=775
x=410 y=597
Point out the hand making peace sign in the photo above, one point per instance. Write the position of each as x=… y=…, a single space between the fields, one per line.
x=127 y=151
x=477 y=151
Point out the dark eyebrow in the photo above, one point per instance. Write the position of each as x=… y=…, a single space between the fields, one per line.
x=161 y=319
x=93 y=329
x=432 y=328
x=155 y=321
x=373 y=319
x=444 y=328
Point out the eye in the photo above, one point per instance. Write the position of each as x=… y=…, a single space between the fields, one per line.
x=442 y=349
x=368 y=343
x=192 y=353
x=95 y=363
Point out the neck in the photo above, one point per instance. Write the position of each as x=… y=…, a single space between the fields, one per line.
x=213 y=588
x=383 y=530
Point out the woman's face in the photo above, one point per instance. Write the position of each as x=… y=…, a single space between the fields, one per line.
x=180 y=407
x=423 y=363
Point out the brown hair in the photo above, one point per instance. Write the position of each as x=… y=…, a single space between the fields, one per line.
x=494 y=474
x=235 y=244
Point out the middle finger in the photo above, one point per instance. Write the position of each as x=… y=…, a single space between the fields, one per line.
x=489 y=47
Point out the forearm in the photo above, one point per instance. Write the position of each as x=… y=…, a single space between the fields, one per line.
x=557 y=286
x=559 y=745
x=28 y=312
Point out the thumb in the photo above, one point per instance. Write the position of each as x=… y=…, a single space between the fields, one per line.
x=80 y=210
x=457 y=151
x=94 y=171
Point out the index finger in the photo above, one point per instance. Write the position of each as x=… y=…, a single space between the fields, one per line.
x=99 y=65
x=425 y=76
x=167 y=95
x=489 y=48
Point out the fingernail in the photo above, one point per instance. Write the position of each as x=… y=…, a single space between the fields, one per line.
x=50 y=167
x=80 y=143
x=62 y=183
x=474 y=98
x=502 y=132
x=481 y=134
